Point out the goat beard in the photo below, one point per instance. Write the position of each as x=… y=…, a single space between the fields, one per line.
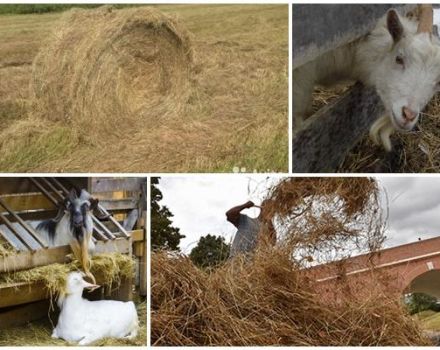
x=80 y=248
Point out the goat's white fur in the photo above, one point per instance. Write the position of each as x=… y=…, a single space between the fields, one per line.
x=85 y=321
x=372 y=60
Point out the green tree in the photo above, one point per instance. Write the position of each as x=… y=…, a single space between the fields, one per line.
x=418 y=302
x=210 y=251
x=163 y=234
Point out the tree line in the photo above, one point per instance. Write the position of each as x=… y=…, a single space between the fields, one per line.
x=210 y=251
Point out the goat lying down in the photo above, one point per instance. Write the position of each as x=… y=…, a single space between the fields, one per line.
x=85 y=321
x=400 y=58
x=73 y=226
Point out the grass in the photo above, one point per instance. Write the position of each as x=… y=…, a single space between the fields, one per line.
x=430 y=320
x=236 y=117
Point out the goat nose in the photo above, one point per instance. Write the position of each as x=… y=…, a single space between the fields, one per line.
x=408 y=114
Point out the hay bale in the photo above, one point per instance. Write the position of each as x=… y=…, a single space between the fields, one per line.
x=108 y=71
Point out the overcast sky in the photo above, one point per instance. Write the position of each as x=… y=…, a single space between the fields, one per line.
x=199 y=205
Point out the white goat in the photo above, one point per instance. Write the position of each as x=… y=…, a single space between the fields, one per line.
x=85 y=321
x=399 y=58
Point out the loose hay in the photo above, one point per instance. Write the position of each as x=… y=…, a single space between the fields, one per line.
x=417 y=151
x=109 y=268
x=270 y=299
x=6 y=249
x=107 y=71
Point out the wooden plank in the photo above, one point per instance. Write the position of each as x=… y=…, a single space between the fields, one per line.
x=23 y=314
x=121 y=245
x=11 y=185
x=137 y=235
x=34 y=215
x=322 y=144
x=29 y=201
x=22 y=293
x=119 y=204
x=27 y=260
x=102 y=184
x=319 y=28
x=41 y=257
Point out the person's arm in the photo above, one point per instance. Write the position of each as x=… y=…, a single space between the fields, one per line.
x=233 y=214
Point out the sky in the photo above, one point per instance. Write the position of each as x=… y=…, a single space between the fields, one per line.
x=199 y=204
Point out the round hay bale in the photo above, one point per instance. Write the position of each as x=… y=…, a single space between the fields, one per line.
x=108 y=71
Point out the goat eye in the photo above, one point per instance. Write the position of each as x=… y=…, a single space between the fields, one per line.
x=399 y=60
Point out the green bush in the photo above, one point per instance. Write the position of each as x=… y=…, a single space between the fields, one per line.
x=418 y=302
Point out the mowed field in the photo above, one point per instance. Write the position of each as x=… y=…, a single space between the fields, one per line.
x=237 y=116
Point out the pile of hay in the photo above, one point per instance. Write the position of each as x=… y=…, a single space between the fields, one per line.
x=106 y=72
x=267 y=302
x=270 y=299
x=108 y=269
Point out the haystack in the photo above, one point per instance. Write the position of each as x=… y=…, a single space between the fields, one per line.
x=270 y=299
x=107 y=72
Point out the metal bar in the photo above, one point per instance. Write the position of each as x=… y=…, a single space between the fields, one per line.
x=28 y=228
x=12 y=228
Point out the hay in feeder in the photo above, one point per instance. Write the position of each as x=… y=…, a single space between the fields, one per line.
x=109 y=268
x=107 y=71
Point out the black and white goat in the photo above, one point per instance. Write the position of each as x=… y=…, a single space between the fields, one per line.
x=73 y=226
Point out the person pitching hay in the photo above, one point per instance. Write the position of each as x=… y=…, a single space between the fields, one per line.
x=248 y=229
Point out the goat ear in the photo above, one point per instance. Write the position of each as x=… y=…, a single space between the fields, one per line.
x=93 y=203
x=394 y=25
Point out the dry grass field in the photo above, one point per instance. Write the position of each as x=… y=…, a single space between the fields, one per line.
x=235 y=115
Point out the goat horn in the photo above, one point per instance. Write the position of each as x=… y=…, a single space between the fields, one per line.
x=425 y=18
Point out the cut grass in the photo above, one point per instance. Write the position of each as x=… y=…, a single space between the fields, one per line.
x=236 y=115
x=430 y=320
